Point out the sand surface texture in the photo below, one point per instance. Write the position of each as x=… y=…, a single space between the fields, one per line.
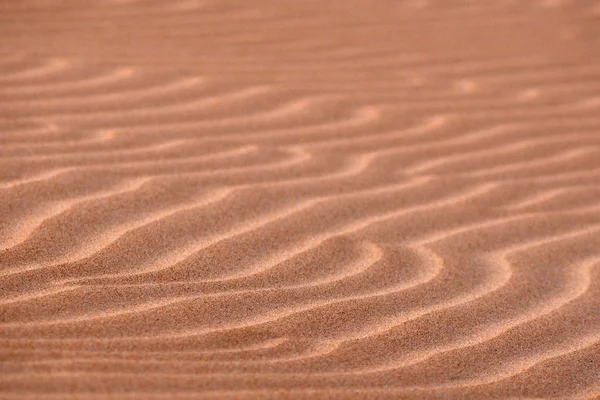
x=299 y=199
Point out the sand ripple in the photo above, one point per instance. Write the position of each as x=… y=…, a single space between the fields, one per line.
x=288 y=215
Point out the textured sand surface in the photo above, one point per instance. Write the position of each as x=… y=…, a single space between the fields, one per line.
x=299 y=199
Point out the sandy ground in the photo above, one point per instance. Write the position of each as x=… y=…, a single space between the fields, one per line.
x=299 y=199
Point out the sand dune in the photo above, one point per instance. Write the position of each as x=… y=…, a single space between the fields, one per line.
x=233 y=199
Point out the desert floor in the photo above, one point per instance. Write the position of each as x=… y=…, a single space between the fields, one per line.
x=299 y=199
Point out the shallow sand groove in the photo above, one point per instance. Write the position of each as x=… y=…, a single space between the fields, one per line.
x=309 y=199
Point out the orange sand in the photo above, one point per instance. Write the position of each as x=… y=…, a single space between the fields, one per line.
x=325 y=199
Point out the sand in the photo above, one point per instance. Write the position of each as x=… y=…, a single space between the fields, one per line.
x=312 y=199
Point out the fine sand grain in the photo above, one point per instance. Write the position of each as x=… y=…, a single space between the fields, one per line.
x=312 y=199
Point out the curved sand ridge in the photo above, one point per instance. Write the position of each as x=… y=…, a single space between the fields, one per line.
x=336 y=219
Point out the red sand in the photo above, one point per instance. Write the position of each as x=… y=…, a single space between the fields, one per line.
x=299 y=199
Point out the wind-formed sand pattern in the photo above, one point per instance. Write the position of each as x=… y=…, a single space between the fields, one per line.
x=299 y=199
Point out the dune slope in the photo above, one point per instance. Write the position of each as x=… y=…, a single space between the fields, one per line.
x=309 y=199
